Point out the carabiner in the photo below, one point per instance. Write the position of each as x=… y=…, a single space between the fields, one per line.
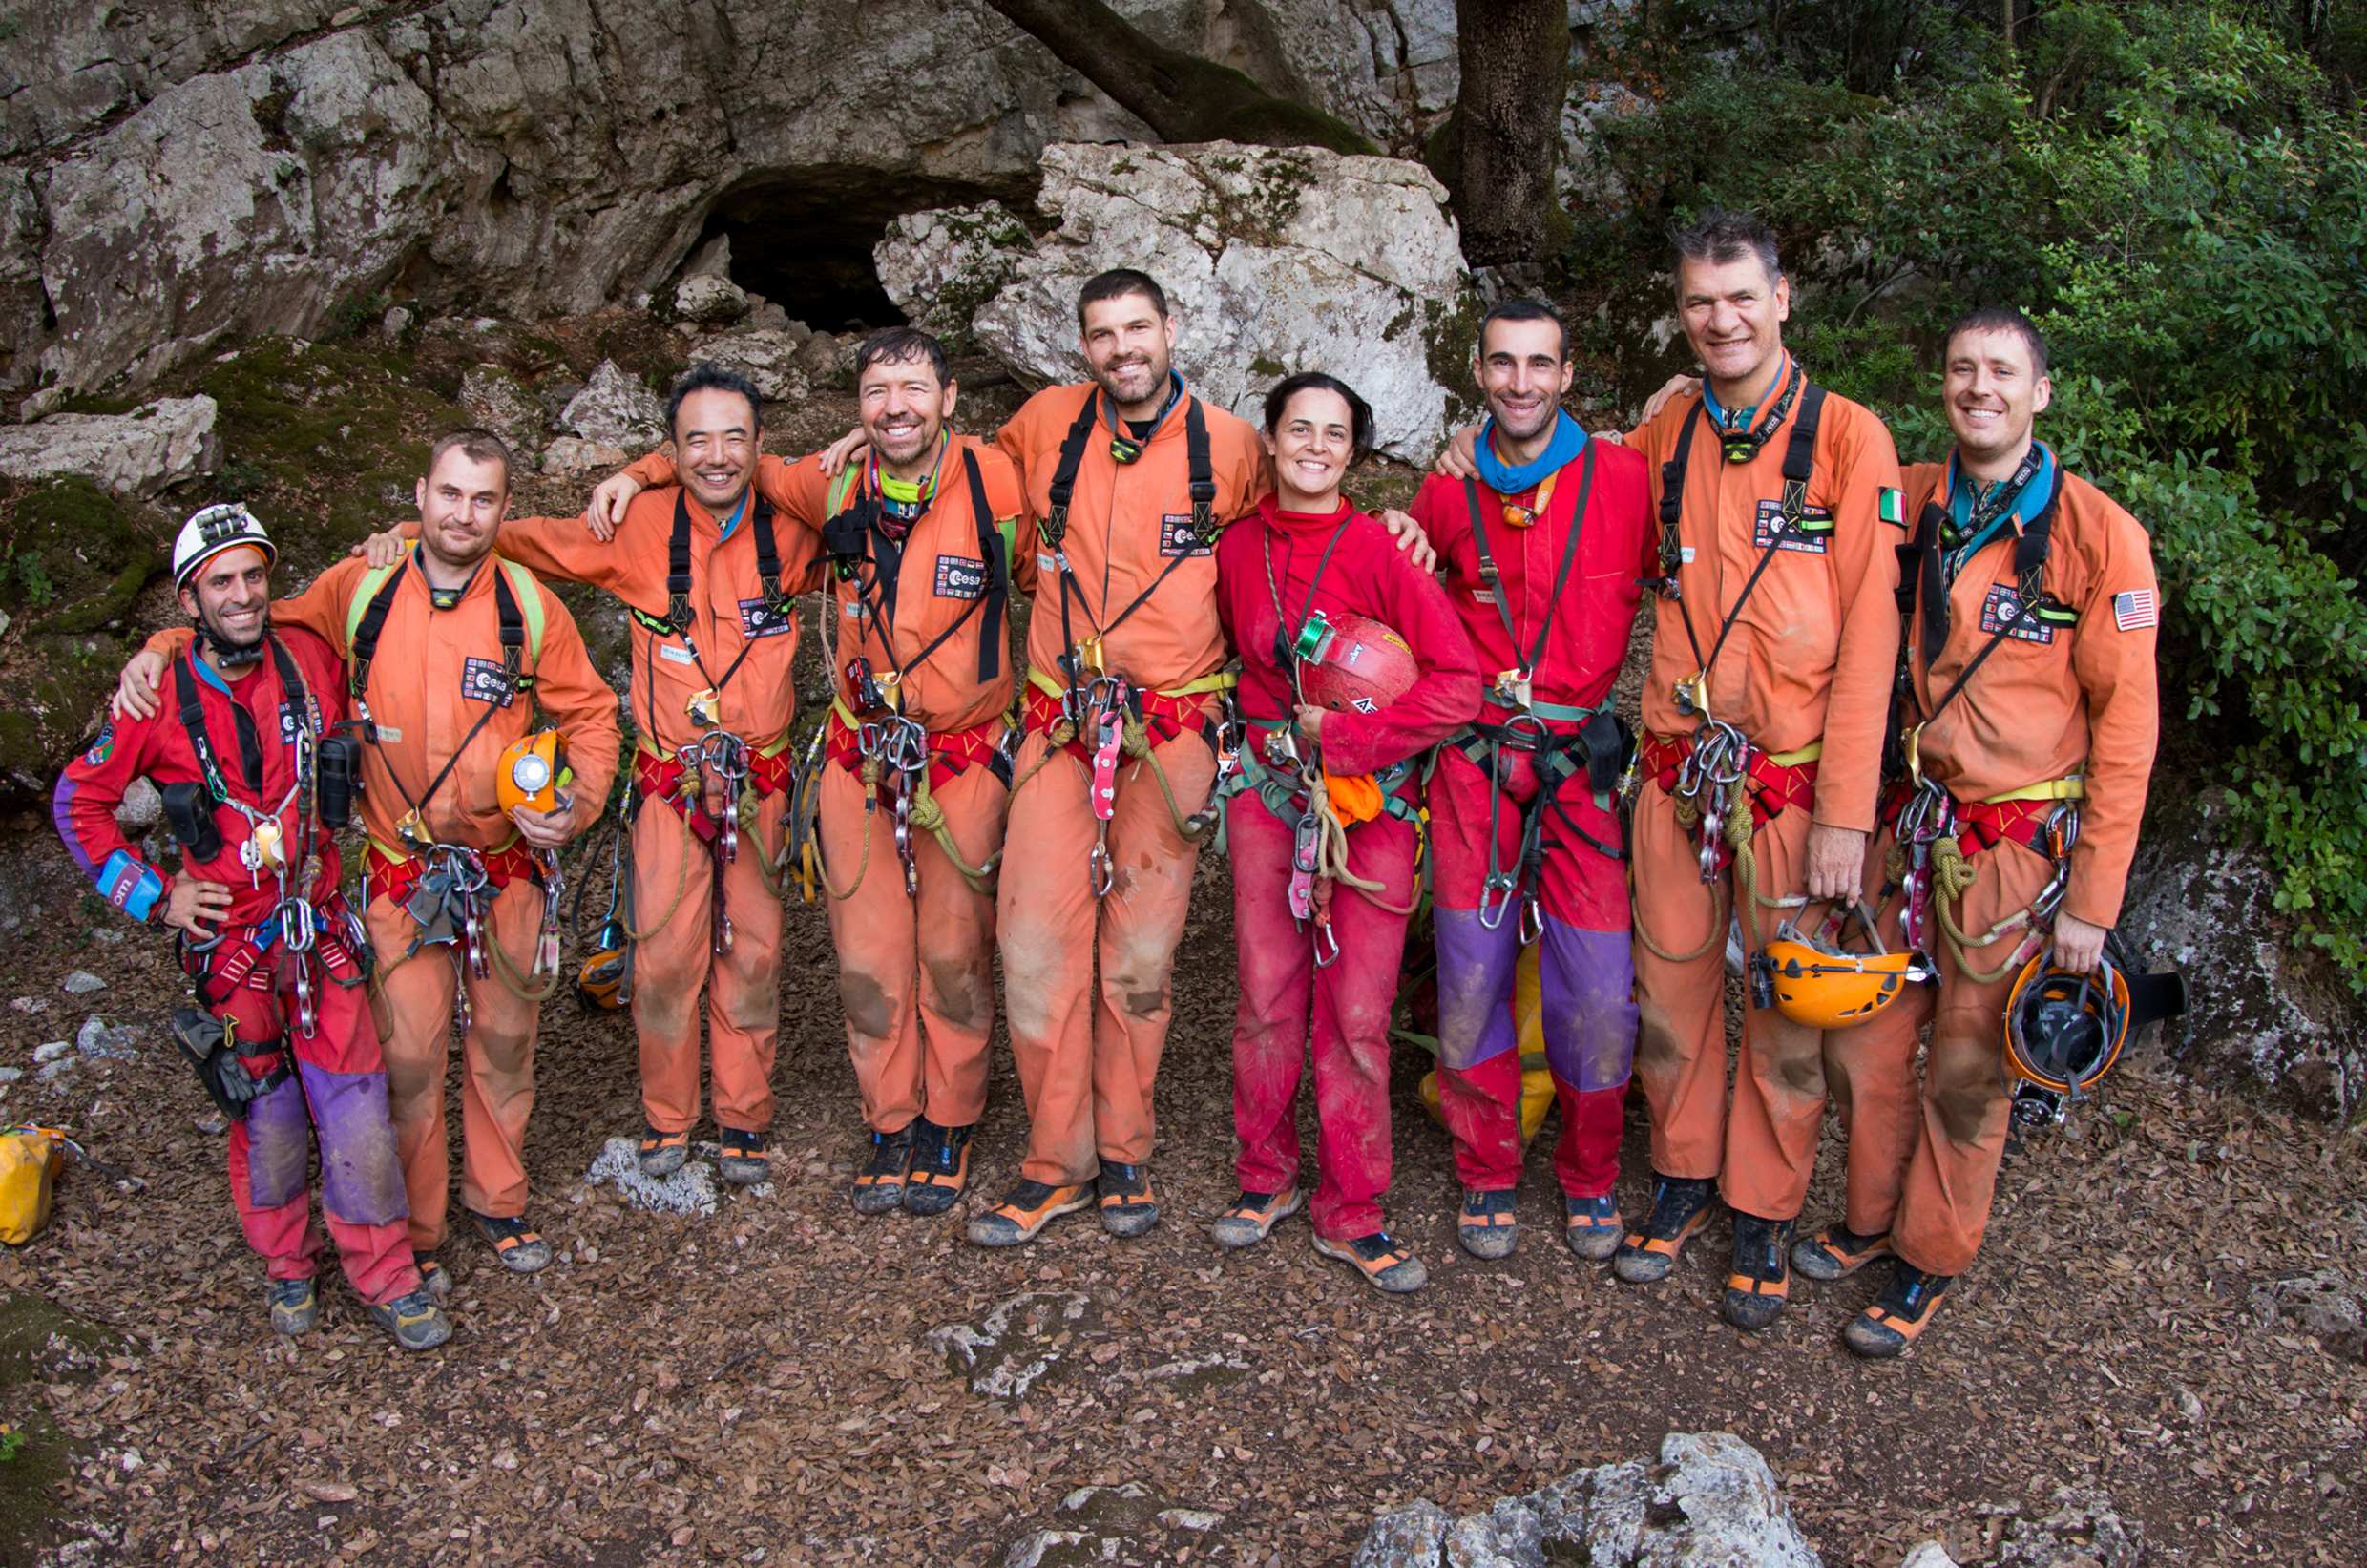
x=1499 y=891
x=1531 y=920
x=1100 y=875
x=1327 y=943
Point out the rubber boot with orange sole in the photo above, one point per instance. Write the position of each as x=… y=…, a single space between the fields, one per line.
x=1026 y=1209
x=1680 y=1212
x=1897 y=1316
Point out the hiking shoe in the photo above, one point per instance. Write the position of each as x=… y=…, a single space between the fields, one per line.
x=1026 y=1209
x=940 y=1168
x=1680 y=1212
x=516 y=1246
x=880 y=1187
x=434 y=1278
x=1253 y=1216
x=1836 y=1253
x=416 y=1322
x=1902 y=1311
x=1128 y=1206
x=295 y=1305
x=1385 y=1263
x=1590 y=1226
x=1756 y=1289
x=662 y=1152
x=1487 y=1227
x=739 y=1156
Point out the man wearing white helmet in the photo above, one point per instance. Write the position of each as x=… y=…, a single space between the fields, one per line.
x=254 y=788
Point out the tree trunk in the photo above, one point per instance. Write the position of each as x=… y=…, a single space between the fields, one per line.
x=1502 y=145
x=1180 y=97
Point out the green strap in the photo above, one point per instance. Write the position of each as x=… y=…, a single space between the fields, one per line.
x=528 y=593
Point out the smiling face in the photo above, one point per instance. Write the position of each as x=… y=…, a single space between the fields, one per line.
x=715 y=446
x=230 y=595
x=1129 y=347
x=1312 y=445
x=903 y=408
x=1993 y=393
x=461 y=502
x=1522 y=374
x=1733 y=315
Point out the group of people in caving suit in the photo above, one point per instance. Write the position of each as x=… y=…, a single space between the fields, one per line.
x=1893 y=749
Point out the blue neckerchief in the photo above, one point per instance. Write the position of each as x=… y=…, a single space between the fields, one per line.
x=1109 y=412
x=739 y=507
x=1742 y=419
x=2018 y=513
x=1567 y=443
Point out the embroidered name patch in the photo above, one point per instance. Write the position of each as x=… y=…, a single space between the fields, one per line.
x=759 y=618
x=1809 y=534
x=2134 y=610
x=960 y=577
x=2002 y=605
x=1177 y=537
x=484 y=681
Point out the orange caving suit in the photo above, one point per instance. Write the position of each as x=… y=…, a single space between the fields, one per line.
x=1087 y=979
x=738 y=642
x=436 y=673
x=915 y=970
x=1806 y=669
x=2073 y=695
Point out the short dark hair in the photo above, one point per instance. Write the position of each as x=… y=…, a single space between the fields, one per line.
x=706 y=377
x=1998 y=318
x=1720 y=236
x=1524 y=310
x=1359 y=411
x=1116 y=285
x=477 y=445
x=895 y=345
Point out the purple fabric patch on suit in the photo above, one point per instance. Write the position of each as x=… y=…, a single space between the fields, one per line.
x=1475 y=968
x=278 y=1145
x=361 y=1179
x=1586 y=984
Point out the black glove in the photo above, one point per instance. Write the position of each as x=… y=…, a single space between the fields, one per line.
x=206 y=1044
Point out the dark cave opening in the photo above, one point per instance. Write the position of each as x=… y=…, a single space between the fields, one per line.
x=803 y=238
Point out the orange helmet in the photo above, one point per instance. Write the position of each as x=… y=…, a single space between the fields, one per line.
x=531 y=772
x=605 y=981
x=1815 y=981
x=2064 y=1031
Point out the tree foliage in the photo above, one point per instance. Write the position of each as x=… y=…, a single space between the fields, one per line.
x=2178 y=195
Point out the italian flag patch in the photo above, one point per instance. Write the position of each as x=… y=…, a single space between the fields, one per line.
x=1891 y=508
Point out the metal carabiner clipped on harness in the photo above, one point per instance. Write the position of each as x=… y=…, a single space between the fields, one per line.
x=1327 y=943
x=1495 y=899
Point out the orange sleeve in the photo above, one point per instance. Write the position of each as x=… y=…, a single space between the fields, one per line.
x=168 y=642
x=563 y=549
x=651 y=469
x=2113 y=658
x=571 y=691
x=1865 y=661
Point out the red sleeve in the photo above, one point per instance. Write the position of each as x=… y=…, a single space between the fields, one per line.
x=1439 y=507
x=84 y=811
x=1443 y=698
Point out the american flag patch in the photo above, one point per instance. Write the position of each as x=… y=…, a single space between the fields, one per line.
x=2134 y=610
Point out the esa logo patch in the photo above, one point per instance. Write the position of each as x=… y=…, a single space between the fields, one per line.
x=2002 y=606
x=1178 y=536
x=486 y=680
x=761 y=617
x=287 y=724
x=103 y=748
x=960 y=577
x=1808 y=534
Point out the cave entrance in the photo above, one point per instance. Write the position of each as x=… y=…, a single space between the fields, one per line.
x=803 y=238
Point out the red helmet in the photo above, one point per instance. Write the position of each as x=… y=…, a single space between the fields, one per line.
x=1354 y=664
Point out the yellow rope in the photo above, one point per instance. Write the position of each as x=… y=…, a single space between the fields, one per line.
x=928 y=817
x=1953 y=875
x=868 y=773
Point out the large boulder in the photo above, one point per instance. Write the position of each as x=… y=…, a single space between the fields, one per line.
x=614 y=409
x=940 y=266
x=2261 y=1011
x=1711 y=1503
x=1274 y=259
x=157 y=445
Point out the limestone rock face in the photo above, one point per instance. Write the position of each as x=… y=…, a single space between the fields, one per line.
x=1273 y=261
x=614 y=409
x=160 y=444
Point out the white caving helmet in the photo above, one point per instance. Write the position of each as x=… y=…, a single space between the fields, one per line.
x=213 y=529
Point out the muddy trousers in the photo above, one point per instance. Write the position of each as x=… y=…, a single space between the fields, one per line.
x=914 y=969
x=335 y=1096
x=1923 y=1168
x=1085 y=979
x=414 y=1012
x=1585 y=981
x=674 y=877
x=1762 y=1151
x=1347 y=1004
